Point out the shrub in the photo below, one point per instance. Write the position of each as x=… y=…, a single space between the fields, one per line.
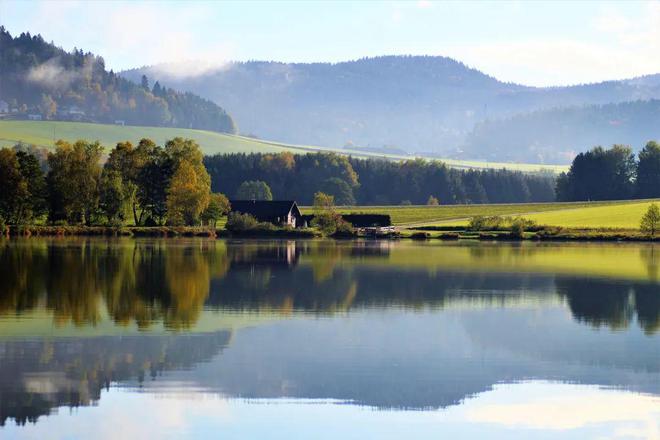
x=237 y=222
x=3 y=226
x=420 y=236
x=432 y=201
x=343 y=229
x=519 y=225
x=327 y=222
x=483 y=223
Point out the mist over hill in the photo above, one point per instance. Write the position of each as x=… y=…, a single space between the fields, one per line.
x=556 y=135
x=39 y=80
x=415 y=103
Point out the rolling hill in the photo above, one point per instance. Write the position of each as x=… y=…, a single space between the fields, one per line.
x=45 y=133
x=557 y=134
x=416 y=103
x=41 y=80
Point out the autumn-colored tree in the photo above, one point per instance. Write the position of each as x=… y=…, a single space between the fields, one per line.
x=188 y=195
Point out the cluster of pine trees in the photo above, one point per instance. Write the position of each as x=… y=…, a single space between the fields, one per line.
x=374 y=182
x=143 y=185
x=39 y=77
x=612 y=174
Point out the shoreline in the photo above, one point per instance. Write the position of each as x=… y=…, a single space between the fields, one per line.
x=443 y=234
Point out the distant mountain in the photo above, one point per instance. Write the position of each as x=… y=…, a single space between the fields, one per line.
x=417 y=103
x=556 y=135
x=39 y=80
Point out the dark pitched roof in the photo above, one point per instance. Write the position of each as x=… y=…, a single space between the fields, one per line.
x=262 y=209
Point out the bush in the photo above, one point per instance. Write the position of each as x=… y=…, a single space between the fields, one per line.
x=420 y=236
x=343 y=229
x=237 y=222
x=327 y=222
x=484 y=223
x=519 y=225
x=3 y=226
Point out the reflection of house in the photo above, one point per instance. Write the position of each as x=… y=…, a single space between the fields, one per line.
x=277 y=212
x=4 y=107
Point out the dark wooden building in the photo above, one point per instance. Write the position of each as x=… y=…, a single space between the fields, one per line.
x=277 y=212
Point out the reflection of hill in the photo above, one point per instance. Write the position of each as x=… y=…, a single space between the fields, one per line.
x=36 y=377
x=382 y=324
x=424 y=359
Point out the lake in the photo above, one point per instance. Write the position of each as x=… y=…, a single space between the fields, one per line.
x=123 y=338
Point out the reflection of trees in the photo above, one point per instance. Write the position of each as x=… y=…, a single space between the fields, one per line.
x=612 y=304
x=651 y=257
x=38 y=376
x=137 y=281
x=145 y=281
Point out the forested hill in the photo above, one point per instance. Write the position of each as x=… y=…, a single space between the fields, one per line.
x=556 y=135
x=42 y=80
x=416 y=103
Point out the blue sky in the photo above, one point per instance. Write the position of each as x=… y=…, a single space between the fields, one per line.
x=530 y=42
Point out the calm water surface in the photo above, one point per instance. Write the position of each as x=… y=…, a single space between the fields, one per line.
x=313 y=339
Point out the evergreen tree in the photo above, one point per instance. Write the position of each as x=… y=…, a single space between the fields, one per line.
x=648 y=171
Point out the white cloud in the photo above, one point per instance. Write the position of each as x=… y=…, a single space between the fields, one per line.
x=562 y=407
x=140 y=33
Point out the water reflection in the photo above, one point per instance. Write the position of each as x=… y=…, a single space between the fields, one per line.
x=388 y=325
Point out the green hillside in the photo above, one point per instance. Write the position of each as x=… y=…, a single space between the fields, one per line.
x=44 y=133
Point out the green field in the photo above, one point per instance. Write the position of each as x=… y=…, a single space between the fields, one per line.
x=45 y=133
x=613 y=214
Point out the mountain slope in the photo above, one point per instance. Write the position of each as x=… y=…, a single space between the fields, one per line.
x=43 y=80
x=556 y=135
x=418 y=103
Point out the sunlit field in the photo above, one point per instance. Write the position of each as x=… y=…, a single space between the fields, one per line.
x=613 y=214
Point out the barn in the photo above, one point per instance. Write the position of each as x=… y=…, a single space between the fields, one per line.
x=277 y=212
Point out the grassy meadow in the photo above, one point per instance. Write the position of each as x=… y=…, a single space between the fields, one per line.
x=578 y=215
x=44 y=133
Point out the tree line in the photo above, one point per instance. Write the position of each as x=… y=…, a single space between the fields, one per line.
x=39 y=77
x=144 y=184
x=354 y=181
x=612 y=174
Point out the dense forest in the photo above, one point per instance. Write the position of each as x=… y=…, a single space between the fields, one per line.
x=374 y=182
x=416 y=103
x=553 y=136
x=612 y=174
x=41 y=80
x=148 y=184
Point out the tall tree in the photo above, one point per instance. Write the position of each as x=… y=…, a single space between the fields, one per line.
x=600 y=174
x=73 y=181
x=153 y=180
x=648 y=171
x=35 y=180
x=13 y=188
x=187 y=196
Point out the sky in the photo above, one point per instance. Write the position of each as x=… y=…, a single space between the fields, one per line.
x=529 y=42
